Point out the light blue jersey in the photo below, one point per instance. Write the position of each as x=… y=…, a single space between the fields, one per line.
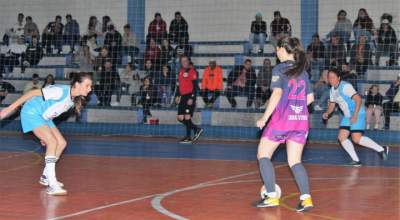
x=342 y=95
x=41 y=110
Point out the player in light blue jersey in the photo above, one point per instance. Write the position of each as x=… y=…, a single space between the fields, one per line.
x=353 y=121
x=40 y=107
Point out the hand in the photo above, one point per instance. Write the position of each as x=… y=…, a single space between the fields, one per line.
x=177 y=99
x=5 y=112
x=325 y=116
x=190 y=102
x=261 y=122
x=353 y=119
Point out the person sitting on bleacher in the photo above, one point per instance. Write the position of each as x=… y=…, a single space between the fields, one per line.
x=49 y=80
x=93 y=48
x=94 y=27
x=241 y=80
x=15 y=54
x=149 y=70
x=387 y=43
x=109 y=82
x=153 y=53
x=157 y=29
x=34 y=52
x=113 y=41
x=85 y=59
x=130 y=81
x=101 y=59
x=183 y=49
x=212 y=82
x=280 y=27
x=178 y=29
x=360 y=55
x=316 y=54
x=258 y=30
x=147 y=97
x=16 y=31
x=393 y=105
x=30 y=29
x=363 y=25
x=5 y=88
x=373 y=103
x=264 y=77
x=321 y=91
x=164 y=82
x=71 y=32
x=350 y=75
x=33 y=84
x=52 y=35
x=335 y=53
x=343 y=28
x=129 y=43
x=167 y=53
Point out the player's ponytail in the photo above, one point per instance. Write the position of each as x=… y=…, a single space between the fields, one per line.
x=293 y=46
x=78 y=77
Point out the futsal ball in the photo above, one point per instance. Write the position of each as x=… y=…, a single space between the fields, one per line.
x=263 y=192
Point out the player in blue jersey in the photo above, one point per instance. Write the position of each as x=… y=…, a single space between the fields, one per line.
x=37 y=114
x=353 y=121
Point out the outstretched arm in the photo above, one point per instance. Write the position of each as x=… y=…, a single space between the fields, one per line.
x=21 y=100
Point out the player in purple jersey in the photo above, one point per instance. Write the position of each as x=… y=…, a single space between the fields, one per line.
x=289 y=123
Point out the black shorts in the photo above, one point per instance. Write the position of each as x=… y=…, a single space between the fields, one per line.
x=184 y=108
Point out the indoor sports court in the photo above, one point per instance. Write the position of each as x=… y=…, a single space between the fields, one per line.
x=203 y=110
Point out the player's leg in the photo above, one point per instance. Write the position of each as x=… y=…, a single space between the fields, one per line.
x=345 y=142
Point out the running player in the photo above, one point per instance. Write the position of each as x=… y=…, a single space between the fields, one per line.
x=37 y=114
x=186 y=99
x=291 y=95
x=353 y=121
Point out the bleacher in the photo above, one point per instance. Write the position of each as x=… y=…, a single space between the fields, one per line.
x=226 y=54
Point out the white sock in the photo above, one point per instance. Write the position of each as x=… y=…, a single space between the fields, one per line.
x=349 y=147
x=272 y=194
x=305 y=196
x=368 y=142
x=44 y=169
x=51 y=170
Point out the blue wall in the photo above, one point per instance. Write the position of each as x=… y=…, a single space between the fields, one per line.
x=136 y=17
x=309 y=20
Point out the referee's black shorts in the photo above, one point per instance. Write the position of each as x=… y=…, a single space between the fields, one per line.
x=184 y=108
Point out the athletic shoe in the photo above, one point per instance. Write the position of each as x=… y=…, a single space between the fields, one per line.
x=268 y=202
x=56 y=191
x=44 y=182
x=186 y=140
x=355 y=163
x=198 y=133
x=305 y=205
x=385 y=153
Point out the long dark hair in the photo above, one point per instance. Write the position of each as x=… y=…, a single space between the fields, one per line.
x=293 y=46
x=78 y=77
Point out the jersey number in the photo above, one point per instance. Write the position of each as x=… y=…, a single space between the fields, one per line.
x=293 y=94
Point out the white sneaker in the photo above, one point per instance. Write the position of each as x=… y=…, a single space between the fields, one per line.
x=115 y=104
x=44 y=182
x=317 y=108
x=56 y=191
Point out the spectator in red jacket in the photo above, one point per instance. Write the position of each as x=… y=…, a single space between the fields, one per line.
x=157 y=29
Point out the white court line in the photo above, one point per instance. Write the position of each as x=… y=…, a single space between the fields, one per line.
x=146 y=197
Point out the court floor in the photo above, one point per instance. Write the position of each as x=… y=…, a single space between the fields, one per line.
x=156 y=178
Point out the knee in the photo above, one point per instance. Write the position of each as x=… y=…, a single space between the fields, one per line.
x=293 y=161
x=61 y=144
x=50 y=142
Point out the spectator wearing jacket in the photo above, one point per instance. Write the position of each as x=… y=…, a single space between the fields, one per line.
x=178 y=29
x=211 y=83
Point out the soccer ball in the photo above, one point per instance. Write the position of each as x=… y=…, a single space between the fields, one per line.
x=263 y=192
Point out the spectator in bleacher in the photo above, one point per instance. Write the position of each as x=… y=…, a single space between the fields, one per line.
x=129 y=43
x=167 y=54
x=280 y=27
x=147 y=97
x=34 y=52
x=85 y=59
x=241 y=80
x=258 y=32
x=101 y=59
x=350 y=75
x=106 y=22
x=212 y=83
x=157 y=29
x=321 y=91
x=374 y=106
x=393 y=105
x=5 y=88
x=360 y=55
x=109 y=81
x=93 y=47
x=33 y=84
x=165 y=84
x=335 y=55
x=149 y=70
x=16 y=54
x=17 y=30
x=263 y=83
x=178 y=29
x=30 y=29
x=94 y=27
x=183 y=49
x=387 y=43
x=113 y=40
x=52 y=35
x=363 y=25
x=49 y=80
x=316 y=55
x=71 y=32
x=343 y=28
x=130 y=82
x=153 y=53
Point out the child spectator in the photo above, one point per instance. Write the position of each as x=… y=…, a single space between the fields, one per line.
x=374 y=106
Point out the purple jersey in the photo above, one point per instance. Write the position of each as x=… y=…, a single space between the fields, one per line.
x=291 y=113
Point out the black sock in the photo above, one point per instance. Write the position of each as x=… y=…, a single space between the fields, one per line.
x=191 y=125
x=188 y=128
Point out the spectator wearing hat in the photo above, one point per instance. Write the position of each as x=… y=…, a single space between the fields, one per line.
x=387 y=43
x=179 y=29
x=258 y=32
x=211 y=83
x=157 y=29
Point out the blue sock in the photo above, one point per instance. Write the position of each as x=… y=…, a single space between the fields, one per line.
x=267 y=173
x=301 y=177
